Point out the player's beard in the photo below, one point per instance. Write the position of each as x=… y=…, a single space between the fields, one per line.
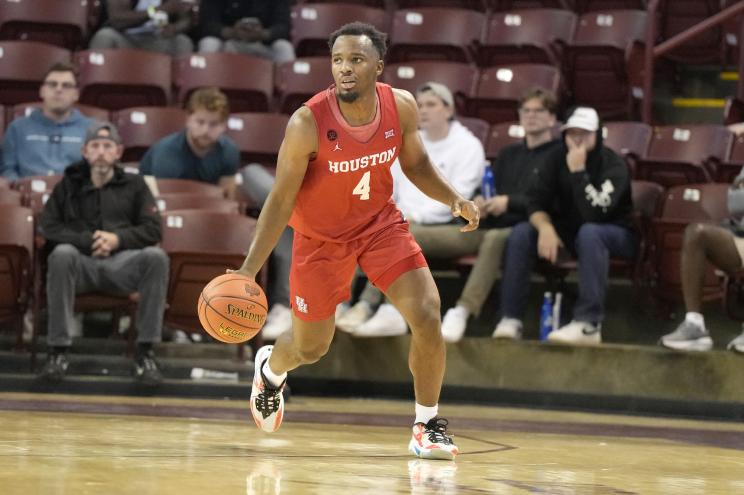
x=349 y=97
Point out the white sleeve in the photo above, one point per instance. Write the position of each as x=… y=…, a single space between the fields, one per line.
x=469 y=173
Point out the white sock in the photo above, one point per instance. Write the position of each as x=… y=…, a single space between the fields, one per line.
x=696 y=319
x=424 y=414
x=272 y=377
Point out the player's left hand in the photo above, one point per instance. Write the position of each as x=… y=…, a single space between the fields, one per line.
x=469 y=211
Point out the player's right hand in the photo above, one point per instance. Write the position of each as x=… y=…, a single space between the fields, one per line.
x=469 y=211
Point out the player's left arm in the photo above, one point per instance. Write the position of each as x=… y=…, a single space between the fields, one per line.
x=418 y=168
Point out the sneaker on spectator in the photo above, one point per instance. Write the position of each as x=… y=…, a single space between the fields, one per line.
x=688 y=337
x=147 y=369
x=577 y=332
x=508 y=328
x=278 y=321
x=55 y=367
x=737 y=345
x=454 y=323
x=387 y=322
x=351 y=319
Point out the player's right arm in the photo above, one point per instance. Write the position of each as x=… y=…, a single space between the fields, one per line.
x=298 y=147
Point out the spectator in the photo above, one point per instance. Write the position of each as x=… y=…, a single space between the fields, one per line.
x=251 y=28
x=580 y=200
x=724 y=248
x=512 y=170
x=459 y=156
x=50 y=138
x=153 y=25
x=201 y=151
x=102 y=227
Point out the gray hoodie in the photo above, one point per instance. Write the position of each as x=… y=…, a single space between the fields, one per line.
x=36 y=145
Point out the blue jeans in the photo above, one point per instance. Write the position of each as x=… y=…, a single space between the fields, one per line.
x=595 y=244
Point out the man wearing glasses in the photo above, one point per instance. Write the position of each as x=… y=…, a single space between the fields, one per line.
x=50 y=138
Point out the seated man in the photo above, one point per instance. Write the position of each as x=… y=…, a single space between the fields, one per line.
x=459 y=157
x=102 y=227
x=580 y=200
x=201 y=151
x=50 y=138
x=512 y=170
x=251 y=28
x=154 y=25
x=724 y=248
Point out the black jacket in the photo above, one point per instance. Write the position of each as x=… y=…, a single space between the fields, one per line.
x=513 y=169
x=273 y=14
x=123 y=206
x=599 y=194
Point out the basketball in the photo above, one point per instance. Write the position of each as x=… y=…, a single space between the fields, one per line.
x=232 y=308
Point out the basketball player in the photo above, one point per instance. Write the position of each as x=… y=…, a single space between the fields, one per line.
x=334 y=186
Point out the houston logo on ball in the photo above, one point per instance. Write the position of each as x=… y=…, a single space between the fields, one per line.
x=246 y=314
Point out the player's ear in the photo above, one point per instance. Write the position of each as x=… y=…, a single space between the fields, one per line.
x=380 y=67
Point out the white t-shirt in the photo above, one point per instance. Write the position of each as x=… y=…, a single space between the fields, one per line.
x=459 y=157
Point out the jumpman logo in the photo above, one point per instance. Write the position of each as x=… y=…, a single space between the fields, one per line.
x=338 y=147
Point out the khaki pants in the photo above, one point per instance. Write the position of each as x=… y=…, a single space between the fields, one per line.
x=447 y=242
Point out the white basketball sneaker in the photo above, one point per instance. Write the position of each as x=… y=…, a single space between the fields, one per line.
x=267 y=402
x=577 y=332
x=278 y=321
x=430 y=441
x=454 y=323
x=508 y=328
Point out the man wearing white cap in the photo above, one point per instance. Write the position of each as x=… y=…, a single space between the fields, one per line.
x=580 y=200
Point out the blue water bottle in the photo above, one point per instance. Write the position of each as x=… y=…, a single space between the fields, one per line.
x=546 y=316
x=488 y=188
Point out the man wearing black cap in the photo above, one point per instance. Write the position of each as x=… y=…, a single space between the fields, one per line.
x=102 y=226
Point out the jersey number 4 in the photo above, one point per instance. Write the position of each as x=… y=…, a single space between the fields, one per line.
x=362 y=188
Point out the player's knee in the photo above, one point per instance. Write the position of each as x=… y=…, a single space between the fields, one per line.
x=312 y=354
x=427 y=314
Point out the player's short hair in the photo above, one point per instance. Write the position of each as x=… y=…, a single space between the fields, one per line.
x=378 y=38
x=62 y=67
x=546 y=97
x=209 y=99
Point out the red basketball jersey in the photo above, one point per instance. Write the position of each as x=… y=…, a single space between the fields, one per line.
x=347 y=189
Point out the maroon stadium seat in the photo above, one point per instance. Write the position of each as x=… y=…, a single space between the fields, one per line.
x=682 y=205
x=602 y=61
x=728 y=170
x=141 y=127
x=58 y=22
x=679 y=15
x=122 y=78
x=23 y=65
x=629 y=139
x=593 y=5
x=313 y=23
x=201 y=244
x=172 y=186
x=168 y=203
x=458 y=77
x=526 y=36
x=479 y=127
x=10 y=197
x=503 y=134
x=502 y=5
x=297 y=81
x=684 y=154
x=40 y=184
x=500 y=88
x=247 y=81
x=258 y=135
x=432 y=33
x=24 y=109
x=4 y=120
x=16 y=265
x=379 y=4
x=480 y=5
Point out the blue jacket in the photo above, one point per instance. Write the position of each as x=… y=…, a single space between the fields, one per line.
x=36 y=145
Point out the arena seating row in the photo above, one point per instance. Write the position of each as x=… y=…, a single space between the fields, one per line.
x=210 y=234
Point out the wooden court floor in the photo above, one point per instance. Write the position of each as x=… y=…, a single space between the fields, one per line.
x=65 y=445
